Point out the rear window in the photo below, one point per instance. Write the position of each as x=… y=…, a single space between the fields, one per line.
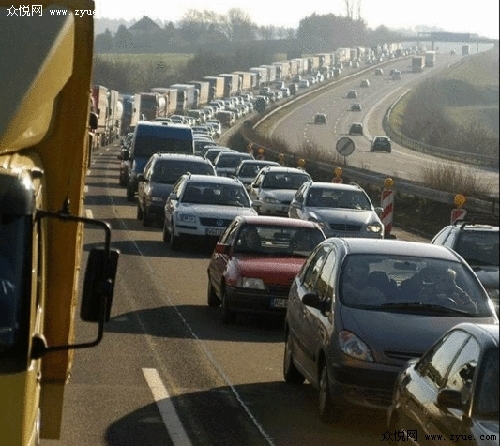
x=169 y=172
x=284 y=180
x=149 y=140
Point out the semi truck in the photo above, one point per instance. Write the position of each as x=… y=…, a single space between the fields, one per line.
x=417 y=64
x=430 y=58
x=216 y=87
x=43 y=162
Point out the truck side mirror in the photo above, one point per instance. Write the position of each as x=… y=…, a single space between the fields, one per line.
x=98 y=285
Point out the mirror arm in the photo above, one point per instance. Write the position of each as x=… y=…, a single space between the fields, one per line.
x=40 y=346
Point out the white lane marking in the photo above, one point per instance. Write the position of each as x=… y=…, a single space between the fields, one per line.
x=85 y=189
x=167 y=411
x=201 y=344
x=88 y=213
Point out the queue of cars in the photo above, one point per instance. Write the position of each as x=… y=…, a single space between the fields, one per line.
x=368 y=321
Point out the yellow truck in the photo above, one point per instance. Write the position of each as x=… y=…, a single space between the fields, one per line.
x=45 y=79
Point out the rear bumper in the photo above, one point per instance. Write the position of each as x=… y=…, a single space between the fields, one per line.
x=256 y=301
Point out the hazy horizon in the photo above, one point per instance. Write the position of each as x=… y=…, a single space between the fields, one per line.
x=479 y=17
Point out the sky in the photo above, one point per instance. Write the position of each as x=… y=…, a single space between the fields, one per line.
x=466 y=16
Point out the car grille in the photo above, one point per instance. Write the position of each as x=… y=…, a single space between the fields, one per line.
x=215 y=222
x=402 y=356
x=344 y=227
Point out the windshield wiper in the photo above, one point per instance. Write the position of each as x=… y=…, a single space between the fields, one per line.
x=421 y=306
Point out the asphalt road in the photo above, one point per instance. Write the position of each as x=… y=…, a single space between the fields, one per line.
x=298 y=130
x=168 y=372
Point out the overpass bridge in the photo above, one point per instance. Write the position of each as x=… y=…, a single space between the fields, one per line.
x=434 y=37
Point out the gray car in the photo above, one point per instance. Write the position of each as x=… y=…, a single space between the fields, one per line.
x=360 y=309
x=341 y=210
x=160 y=173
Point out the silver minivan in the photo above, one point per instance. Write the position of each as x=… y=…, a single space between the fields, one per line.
x=359 y=309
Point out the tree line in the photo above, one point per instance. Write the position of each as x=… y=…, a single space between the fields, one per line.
x=206 y=29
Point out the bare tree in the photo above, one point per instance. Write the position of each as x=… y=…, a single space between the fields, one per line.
x=349 y=9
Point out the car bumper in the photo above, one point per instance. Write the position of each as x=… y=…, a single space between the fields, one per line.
x=346 y=234
x=274 y=209
x=369 y=387
x=245 y=300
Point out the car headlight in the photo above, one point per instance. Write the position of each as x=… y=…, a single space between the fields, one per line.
x=186 y=218
x=271 y=200
x=493 y=293
x=251 y=282
x=316 y=220
x=352 y=346
x=374 y=228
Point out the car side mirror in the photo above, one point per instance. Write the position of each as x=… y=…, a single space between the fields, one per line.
x=222 y=248
x=296 y=204
x=254 y=186
x=450 y=399
x=172 y=196
x=379 y=210
x=256 y=203
x=313 y=300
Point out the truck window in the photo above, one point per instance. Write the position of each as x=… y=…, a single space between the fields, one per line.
x=13 y=235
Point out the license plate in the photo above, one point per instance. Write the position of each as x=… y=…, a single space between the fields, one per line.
x=278 y=303
x=215 y=231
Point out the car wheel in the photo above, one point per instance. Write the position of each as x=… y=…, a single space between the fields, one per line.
x=326 y=412
x=212 y=298
x=174 y=240
x=226 y=315
x=290 y=372
x=146 y=220
x=140 y=213
x=165 y=234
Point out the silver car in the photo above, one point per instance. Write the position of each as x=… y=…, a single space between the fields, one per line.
x=248 y=170
x=274 y=188
x=342 y=210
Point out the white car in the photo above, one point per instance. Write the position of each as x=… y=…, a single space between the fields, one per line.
x=341 y=210
x=248 y=170
x=274 y=187
x=203 y=206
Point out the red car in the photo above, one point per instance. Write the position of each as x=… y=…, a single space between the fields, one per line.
x=255 y=261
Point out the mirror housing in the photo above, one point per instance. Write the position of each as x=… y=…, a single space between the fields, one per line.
x=222 y=248
x=313 y=300
x=450 y=399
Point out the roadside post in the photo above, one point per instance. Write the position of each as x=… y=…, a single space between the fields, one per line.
x=301 y=162
x=337 y=175
x=387 y=204
x=345 y=146
x=458 y=213
x=281 y=159
x=261 y=153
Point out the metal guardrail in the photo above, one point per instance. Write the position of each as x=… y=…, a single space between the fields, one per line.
x=454 y=155
x=485 y=206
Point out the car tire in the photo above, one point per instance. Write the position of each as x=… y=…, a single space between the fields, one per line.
x=290 y=372
x=140 y=213
x=212 y=298
x=165 y=234
x=326 y=409
x=146 y=220
x=174 y=240
x=226 y=315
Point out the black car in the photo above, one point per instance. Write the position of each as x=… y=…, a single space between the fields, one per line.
x=356 y=107
x=381 y=144
x=356 y=129
x=160 y=173
x=320 y=118
x=478 y=245
x=450 y=395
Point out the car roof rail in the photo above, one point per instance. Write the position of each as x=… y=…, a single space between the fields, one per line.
x=476 y=219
